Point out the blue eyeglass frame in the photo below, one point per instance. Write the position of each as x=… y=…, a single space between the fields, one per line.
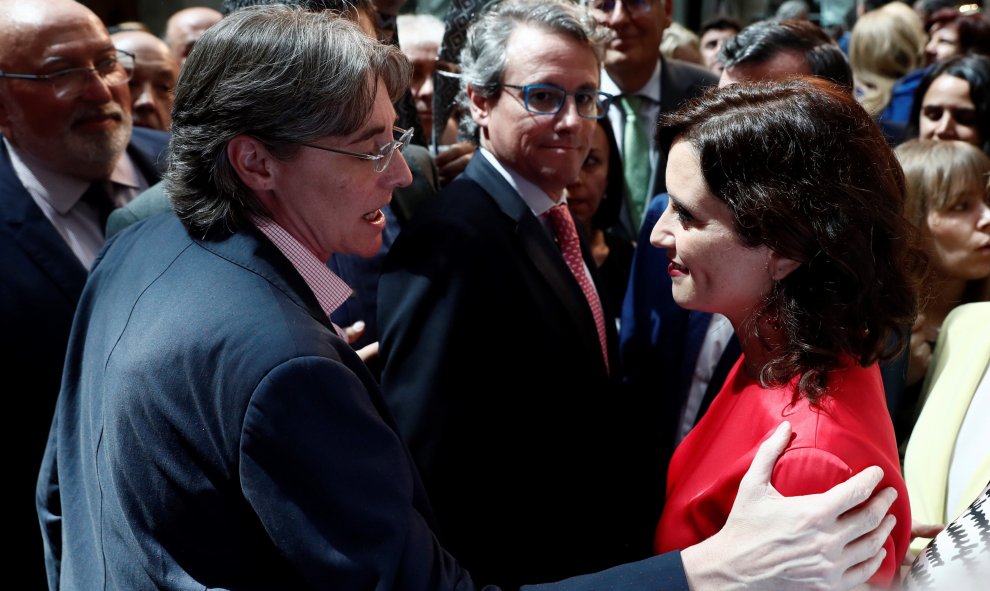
x=605 y=99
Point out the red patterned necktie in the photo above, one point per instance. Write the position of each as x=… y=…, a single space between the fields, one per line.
x=567 y=238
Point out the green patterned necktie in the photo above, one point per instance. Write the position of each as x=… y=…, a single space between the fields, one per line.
x=635 y=157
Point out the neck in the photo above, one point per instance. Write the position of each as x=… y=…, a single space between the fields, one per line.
x=628 y=77
x=758 y=340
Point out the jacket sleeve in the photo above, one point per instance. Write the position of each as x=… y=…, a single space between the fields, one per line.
x=333 y=484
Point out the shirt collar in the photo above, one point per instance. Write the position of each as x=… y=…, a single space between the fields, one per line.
x=329 y=289
x=535 y=198
x=62 y=191
x=650 y=90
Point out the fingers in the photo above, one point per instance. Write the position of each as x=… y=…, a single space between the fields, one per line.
x=866 y=554
x=354 y=331
x=766 y=456
x=925 y=530
x=862 y=572
x=865 y=547
x=851 y=493
x=368 y=352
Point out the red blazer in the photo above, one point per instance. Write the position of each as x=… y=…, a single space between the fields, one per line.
x=850 y=430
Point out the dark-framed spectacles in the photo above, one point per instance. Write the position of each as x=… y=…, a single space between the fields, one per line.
x=385 y=153
x=71 y=82
x=604 y=8
x=546 y=99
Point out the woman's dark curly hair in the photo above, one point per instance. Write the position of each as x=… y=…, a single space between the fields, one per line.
x=806 y=172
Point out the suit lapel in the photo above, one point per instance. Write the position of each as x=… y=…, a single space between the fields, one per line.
x=251 y=250
x=36 y=236
x=540 y=248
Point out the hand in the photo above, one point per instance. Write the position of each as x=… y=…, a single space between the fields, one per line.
x=452 y=161
x=368 y=352
x=922 y=335
x=808 y=542
x=354 y=332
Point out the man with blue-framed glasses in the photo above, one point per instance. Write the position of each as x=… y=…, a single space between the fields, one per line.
x=644 y=84
x=494 y=259
x=68 y=155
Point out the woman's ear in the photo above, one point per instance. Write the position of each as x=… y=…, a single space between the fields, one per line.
x=252 y=162
x=780 y=266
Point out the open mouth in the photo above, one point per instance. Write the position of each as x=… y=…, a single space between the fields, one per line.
x=374 y=217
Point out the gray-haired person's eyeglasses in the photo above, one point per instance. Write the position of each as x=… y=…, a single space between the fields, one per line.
x=69 y=83
x=546 y=99
x=384 y=155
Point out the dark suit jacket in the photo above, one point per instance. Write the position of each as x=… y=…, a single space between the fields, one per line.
x=214 y=431
x=40 y=286
x=679 y=82
x=493 y=369
x=659 y=347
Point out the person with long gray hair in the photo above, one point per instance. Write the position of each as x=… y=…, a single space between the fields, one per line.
x=214 y=430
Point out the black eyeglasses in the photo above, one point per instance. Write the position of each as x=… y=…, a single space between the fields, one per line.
x=71 y=82
x=384 y=155
x=604 y=8
x=546 y=99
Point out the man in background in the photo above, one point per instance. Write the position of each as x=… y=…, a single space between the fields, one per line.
x=68 y=156
x=186 y=26
x=645 y=84
x=156 y=71
x=714 y=32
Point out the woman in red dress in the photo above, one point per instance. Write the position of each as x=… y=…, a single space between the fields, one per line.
x=786 y=216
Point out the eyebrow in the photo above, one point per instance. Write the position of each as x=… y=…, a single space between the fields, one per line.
x=372 y=133
x=57 y=59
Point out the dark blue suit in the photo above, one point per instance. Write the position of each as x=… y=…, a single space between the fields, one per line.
x=214 y=431
x=494 y=371
x=659 y=343
x=41 y=283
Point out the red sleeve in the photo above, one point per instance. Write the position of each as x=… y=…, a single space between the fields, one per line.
x=808 y=470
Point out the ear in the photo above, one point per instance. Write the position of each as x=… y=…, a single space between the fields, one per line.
x=480 y=107
x=668 y=11
x=252 y=161
x=780 y=266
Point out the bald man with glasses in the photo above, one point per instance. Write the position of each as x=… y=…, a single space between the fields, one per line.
x=68 y=155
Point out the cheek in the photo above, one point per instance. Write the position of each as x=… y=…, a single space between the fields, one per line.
x=968 y=134
x=947 y=234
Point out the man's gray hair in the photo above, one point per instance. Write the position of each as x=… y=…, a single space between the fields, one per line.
x=282 y=75
x=483 y=58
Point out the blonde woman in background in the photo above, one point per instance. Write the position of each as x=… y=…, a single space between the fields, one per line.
x=947 y=200
x=887 y=44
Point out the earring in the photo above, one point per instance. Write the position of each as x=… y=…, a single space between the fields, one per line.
x=774 y=320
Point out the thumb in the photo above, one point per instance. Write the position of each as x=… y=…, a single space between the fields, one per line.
x=756 y=481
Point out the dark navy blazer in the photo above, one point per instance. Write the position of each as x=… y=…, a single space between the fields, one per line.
x=40 y=283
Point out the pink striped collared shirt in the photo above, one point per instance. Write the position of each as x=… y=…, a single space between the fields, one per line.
x=329 y=289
